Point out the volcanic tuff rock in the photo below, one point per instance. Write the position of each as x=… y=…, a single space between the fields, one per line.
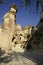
x=12 y=34
x=36 y=40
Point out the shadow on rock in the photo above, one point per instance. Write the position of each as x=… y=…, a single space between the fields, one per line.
x=35 y=56
x=5 y=58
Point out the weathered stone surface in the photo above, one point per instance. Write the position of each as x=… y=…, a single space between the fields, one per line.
x=20 y=35
x=12 y=34
x=7 y=30
x=36 y=41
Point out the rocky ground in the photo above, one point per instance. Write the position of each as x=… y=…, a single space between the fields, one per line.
x=22 y=57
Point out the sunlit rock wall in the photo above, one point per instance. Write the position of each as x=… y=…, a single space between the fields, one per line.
x=7 y=29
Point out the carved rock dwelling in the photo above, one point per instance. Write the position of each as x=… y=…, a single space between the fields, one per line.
x=11 y=33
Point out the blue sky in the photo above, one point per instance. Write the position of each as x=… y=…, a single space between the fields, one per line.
x=23 y=16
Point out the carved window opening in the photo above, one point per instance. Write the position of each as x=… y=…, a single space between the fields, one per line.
x=20 y=38
x=21 y=35
x=15 y=43
x=13 y=39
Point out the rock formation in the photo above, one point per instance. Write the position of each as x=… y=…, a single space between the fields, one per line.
x=12 y=34
x=7 y=29
x=36 y=40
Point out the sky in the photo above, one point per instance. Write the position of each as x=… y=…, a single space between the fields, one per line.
x=23 y=17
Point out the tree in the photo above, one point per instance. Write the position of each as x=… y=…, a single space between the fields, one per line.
x=38 y=2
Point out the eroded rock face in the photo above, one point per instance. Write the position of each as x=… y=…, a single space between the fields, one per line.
x=20 y=35
x=12 y=34
x=7 y=30
x=5 y=41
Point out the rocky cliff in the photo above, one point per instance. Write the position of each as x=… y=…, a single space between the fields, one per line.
x=12 y=34
x=36 y=40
